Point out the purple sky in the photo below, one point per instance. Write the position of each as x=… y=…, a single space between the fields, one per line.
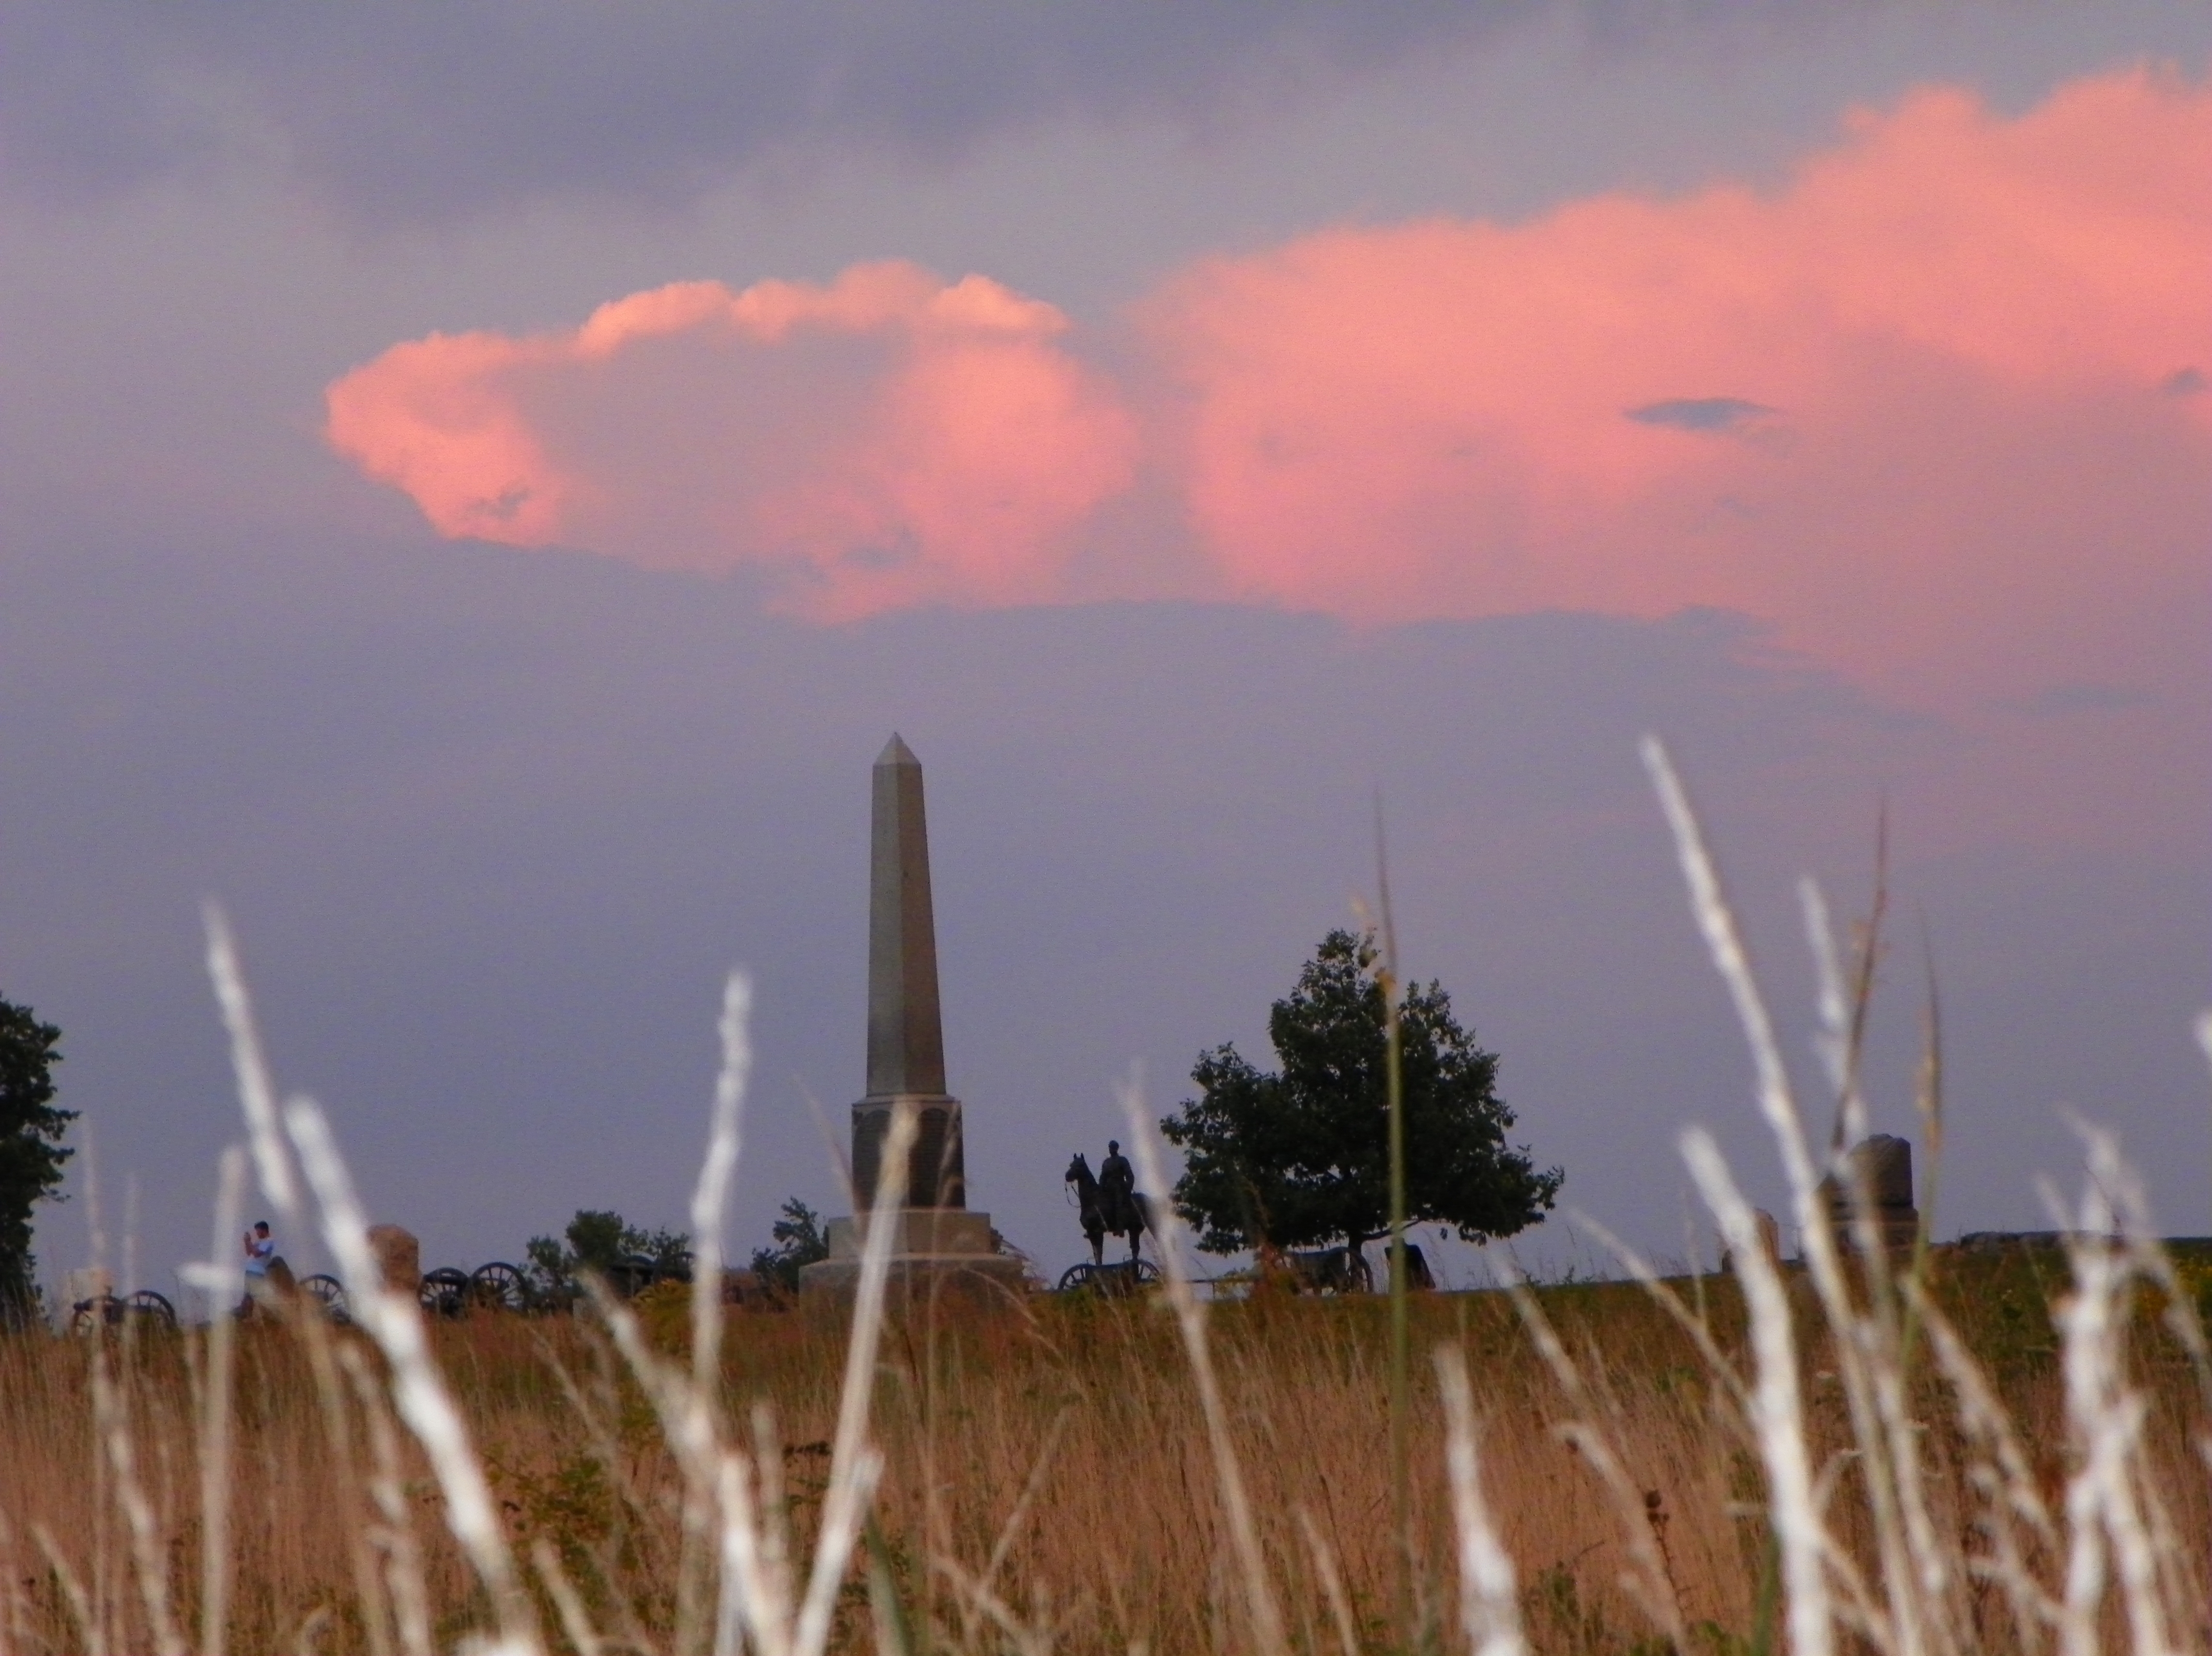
x=492 y=822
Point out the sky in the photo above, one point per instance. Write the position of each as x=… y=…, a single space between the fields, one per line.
x=479 y=484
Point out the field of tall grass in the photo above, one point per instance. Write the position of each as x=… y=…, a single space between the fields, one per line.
x=1921 y=1454
x=1049 y=1480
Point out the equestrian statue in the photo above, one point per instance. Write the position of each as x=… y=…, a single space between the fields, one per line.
x=1110 y=1201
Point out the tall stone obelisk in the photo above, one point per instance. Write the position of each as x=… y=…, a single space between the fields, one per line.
x=906 y=1030
x=939 y=1241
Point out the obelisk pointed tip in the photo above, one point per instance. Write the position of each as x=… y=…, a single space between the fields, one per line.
x=895 y=752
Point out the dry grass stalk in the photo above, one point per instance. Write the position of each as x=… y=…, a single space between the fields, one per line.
x=1259 y=1603
x=1489 y=1610
x=221 y=1280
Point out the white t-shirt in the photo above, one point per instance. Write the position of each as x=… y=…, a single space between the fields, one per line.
x=259 y=1250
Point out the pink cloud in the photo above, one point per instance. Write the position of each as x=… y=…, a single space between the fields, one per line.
x=885 y=440
x=1905 y=407
x=1933 y=408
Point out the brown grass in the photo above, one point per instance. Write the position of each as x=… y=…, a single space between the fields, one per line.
x=1053 y=1457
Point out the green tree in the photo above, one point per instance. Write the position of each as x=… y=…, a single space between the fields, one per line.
x=31 y=1148
x=799 y=1243
x=1301 y=1158
x=598 y=1240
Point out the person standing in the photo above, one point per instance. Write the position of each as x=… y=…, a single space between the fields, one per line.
x=260 y=1249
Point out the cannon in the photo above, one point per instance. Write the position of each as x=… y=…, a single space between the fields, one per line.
x=1116 y=1279
x=499 y=1287
x=105 y=1310
x=330 y=1294
x=449 y=1291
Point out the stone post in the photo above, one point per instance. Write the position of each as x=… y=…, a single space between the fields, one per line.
x=1883 y=1166
x=398 y=1258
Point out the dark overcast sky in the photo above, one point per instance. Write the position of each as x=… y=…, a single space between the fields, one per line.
x=492 y=822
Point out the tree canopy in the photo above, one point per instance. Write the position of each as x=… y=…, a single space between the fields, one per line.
x=1301 y=1157
x=31 y=1148
x=800 y=1241
x=598 y=1240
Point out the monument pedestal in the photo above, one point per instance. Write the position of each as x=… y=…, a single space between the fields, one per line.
x=933 y=1250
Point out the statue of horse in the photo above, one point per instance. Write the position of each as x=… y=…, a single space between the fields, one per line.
x=1133 y=1220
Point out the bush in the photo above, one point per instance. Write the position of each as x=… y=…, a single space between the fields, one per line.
x=799 y=1242
x=604 y=1242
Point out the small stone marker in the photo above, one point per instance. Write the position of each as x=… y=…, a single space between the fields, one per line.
x=1883 y=1166
x=398 y=1258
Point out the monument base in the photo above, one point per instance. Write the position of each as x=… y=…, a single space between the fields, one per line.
x=935 y=1250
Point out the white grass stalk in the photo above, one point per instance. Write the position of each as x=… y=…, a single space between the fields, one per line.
x=1331 y=1582
x=1776 y=1408
x=11 y=1592
x=701 y=1407
x=1830 y=1041
x=73 y=1593
x=394 y=1321
x=14 y=1621
x=1692 y=1325
x=568 y=1603
x=755 y=1587
x=308 y=1320
x=1265 y=1617
x=1490 y=1605
x=2000 y=1474
x=224 y=1282
x=101 y=1589
x=1647 y=1582
x=404 y=1582
x=1833 y=1043
x=2105 y=1417
x=1017 y=1522
x=854 y=1464
x=1023 y=1638
x=257 y=1092
x=1864 y=1348
x=2203 y=1028
x=756 y=1591
x=725 y=1142
x=149 y=1559
x=1717 y=924
x=2084 y=1321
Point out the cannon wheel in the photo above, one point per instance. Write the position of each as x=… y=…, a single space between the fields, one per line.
x=444 y=1293
x=498 y=1287
x=152 y=1307
x=101 y=1311
x=1118 y=1278
x=330 y=1294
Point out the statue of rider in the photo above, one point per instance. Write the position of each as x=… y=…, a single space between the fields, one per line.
x=1117 y=1180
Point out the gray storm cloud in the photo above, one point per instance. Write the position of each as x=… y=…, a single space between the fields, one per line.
x=1700 y=413
x=429 y=112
